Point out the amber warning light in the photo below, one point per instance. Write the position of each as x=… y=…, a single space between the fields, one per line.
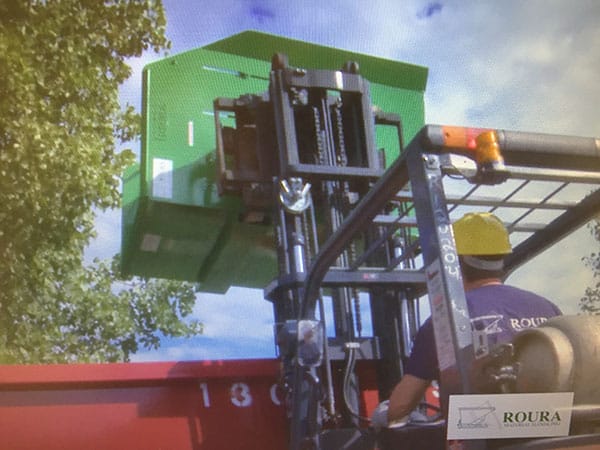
x=481 y=145
x=461 y=137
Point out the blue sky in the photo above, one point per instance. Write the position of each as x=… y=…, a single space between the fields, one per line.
x=523 y=65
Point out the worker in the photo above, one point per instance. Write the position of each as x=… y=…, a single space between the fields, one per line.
x=497 y=311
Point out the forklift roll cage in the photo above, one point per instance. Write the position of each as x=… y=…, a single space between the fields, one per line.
x=427 y=162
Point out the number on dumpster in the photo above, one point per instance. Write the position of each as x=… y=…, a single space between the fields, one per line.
x=240 y=395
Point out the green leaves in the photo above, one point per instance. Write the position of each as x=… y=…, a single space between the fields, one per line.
x=100 y=317
x=590 y=302
x=60 y=121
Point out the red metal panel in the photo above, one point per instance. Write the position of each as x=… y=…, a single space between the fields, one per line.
x=190 y=405
x=202 y=405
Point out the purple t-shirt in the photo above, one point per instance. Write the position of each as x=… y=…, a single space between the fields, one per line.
x=497 y=313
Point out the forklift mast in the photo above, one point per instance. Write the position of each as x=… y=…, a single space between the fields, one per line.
x=349 y=233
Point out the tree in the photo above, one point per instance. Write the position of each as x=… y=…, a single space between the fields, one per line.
x=60 y=122
x=590 y=303
x=93 y=318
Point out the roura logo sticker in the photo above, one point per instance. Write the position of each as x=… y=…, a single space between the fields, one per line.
x=509 y=415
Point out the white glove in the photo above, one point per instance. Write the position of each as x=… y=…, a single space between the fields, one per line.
x=379 y=418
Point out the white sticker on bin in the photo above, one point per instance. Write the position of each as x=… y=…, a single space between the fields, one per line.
x=162 y=178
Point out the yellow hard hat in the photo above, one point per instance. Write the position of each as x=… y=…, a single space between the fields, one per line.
x=481 y=234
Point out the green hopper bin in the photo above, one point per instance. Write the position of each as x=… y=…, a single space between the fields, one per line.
x=175 y=224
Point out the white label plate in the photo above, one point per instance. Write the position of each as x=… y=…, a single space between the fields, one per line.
x=509 y=415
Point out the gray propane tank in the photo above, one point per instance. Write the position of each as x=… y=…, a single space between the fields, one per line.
x=561 y=355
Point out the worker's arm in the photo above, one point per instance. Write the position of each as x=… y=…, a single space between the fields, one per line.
x=421 y=368
x=406 y=396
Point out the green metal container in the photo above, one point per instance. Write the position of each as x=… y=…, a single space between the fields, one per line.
x=175 y=224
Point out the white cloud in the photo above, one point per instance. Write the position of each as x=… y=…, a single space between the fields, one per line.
x=240 y=312
x=203 y=348
x=237 y=325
